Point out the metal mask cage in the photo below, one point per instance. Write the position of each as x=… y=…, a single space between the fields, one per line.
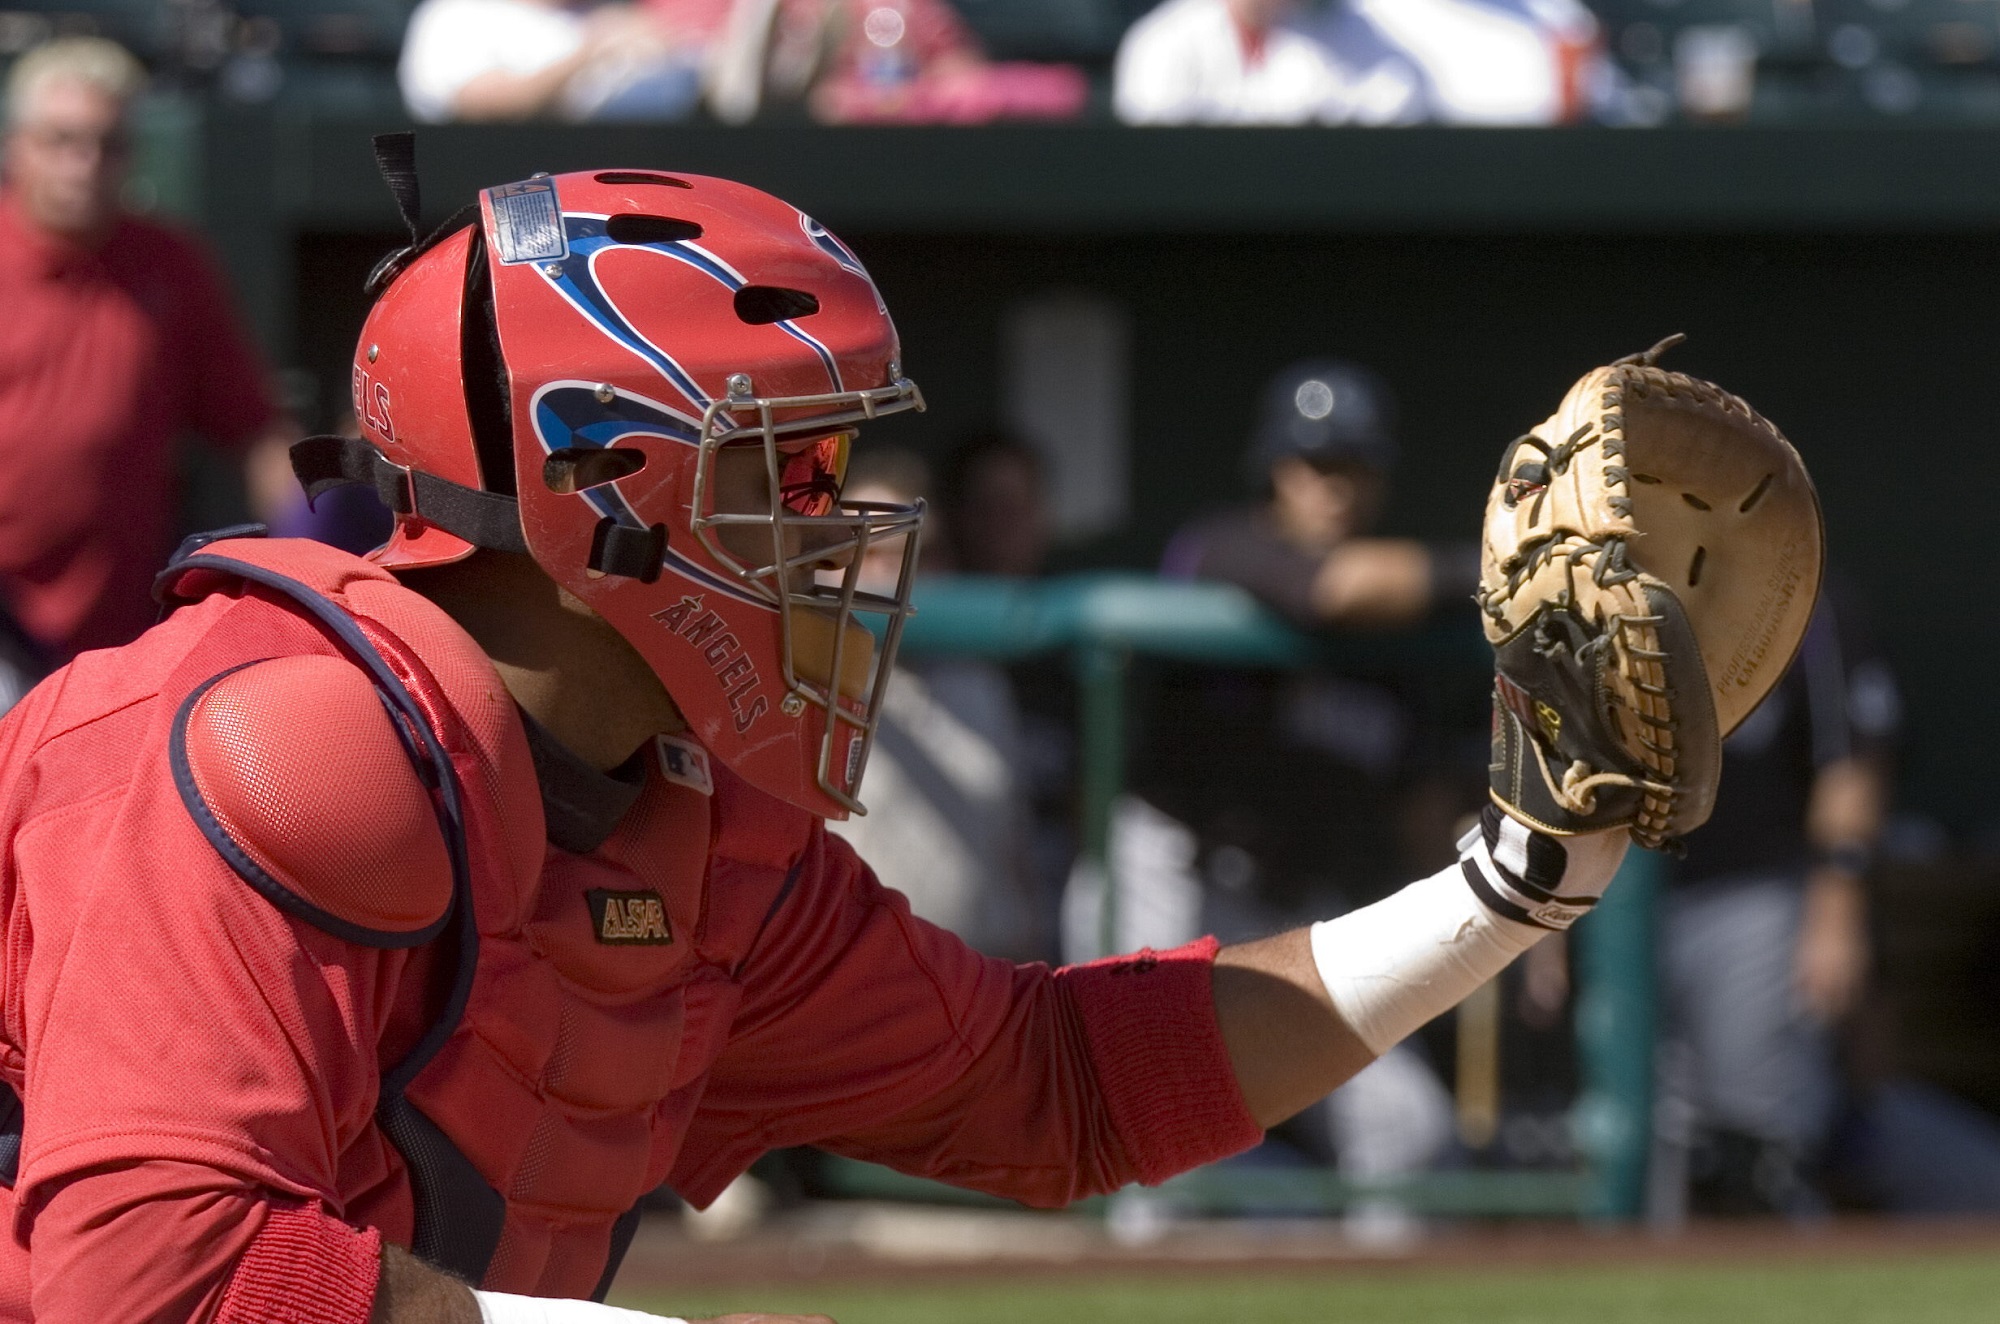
x=855 y=524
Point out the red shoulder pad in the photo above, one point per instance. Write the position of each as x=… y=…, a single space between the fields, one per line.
x=294 y=771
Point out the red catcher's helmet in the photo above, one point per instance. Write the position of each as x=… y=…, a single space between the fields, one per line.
x=650 y=382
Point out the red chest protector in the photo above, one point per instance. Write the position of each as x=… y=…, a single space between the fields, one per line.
x=553 y=1033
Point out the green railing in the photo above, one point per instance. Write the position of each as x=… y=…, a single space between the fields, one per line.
x=1102 y=621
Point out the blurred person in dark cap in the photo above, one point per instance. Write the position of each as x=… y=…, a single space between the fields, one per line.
x=1260 y=794
x=118 y=339
x=1321 y=455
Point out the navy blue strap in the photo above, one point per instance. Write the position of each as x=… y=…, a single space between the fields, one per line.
x=11 y=1125
x=622 y=1233
x=459 y=1217
x=435 y=767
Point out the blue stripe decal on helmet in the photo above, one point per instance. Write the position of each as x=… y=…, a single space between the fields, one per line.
x=575 y=277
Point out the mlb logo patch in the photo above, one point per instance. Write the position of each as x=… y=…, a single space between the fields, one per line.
x=685 y=763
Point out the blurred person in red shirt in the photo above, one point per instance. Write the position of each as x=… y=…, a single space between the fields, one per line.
x=118 y=338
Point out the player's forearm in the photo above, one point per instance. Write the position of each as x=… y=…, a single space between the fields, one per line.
x=1286 y=1042
x=411 y=1292
x=1303 y=1012
x=1374 y=582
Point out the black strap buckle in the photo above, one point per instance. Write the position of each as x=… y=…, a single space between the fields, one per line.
x=395 y=485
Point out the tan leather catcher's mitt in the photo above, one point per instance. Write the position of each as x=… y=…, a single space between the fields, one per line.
x=1651 y=558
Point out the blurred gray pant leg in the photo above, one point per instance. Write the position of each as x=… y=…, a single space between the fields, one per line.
x=1739 y=1051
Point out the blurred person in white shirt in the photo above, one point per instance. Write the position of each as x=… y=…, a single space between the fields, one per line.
x=1490 y=62
x=524 y=59
x=1249 y=62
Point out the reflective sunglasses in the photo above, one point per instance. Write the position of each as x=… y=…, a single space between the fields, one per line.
x=810 y=473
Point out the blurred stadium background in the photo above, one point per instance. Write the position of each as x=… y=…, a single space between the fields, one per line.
x=1117 y=296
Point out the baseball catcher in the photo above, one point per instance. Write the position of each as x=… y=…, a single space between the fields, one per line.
x=378 y=931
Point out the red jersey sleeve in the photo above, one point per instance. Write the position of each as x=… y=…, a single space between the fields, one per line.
x=242 y=1257
x=874 y=1034
x=193 y=1056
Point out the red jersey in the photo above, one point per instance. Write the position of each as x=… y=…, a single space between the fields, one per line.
x=225 y=898
x=107 y=356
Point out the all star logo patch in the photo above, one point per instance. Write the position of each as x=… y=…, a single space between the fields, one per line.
x=629 y=919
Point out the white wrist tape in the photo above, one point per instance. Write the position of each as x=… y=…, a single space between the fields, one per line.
x=1392 y=966
x=501 y=1308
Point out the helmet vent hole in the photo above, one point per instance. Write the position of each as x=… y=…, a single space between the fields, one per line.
x=630 y=228
x=640 y=177
x=760 y=305
x=576 y=469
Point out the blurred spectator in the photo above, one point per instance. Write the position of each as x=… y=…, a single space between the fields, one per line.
x=1264 y=795
x=947 y=824
x=1495 y=62
x=994 y=500
x=1252 y=62
x=118 y=337
x=1322 y=456
x=521 y=59
x=1765 y=939
x=995 y=509
x=865 y=61
x=1307 y=789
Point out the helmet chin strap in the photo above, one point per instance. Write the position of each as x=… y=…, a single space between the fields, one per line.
x=484 y=519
